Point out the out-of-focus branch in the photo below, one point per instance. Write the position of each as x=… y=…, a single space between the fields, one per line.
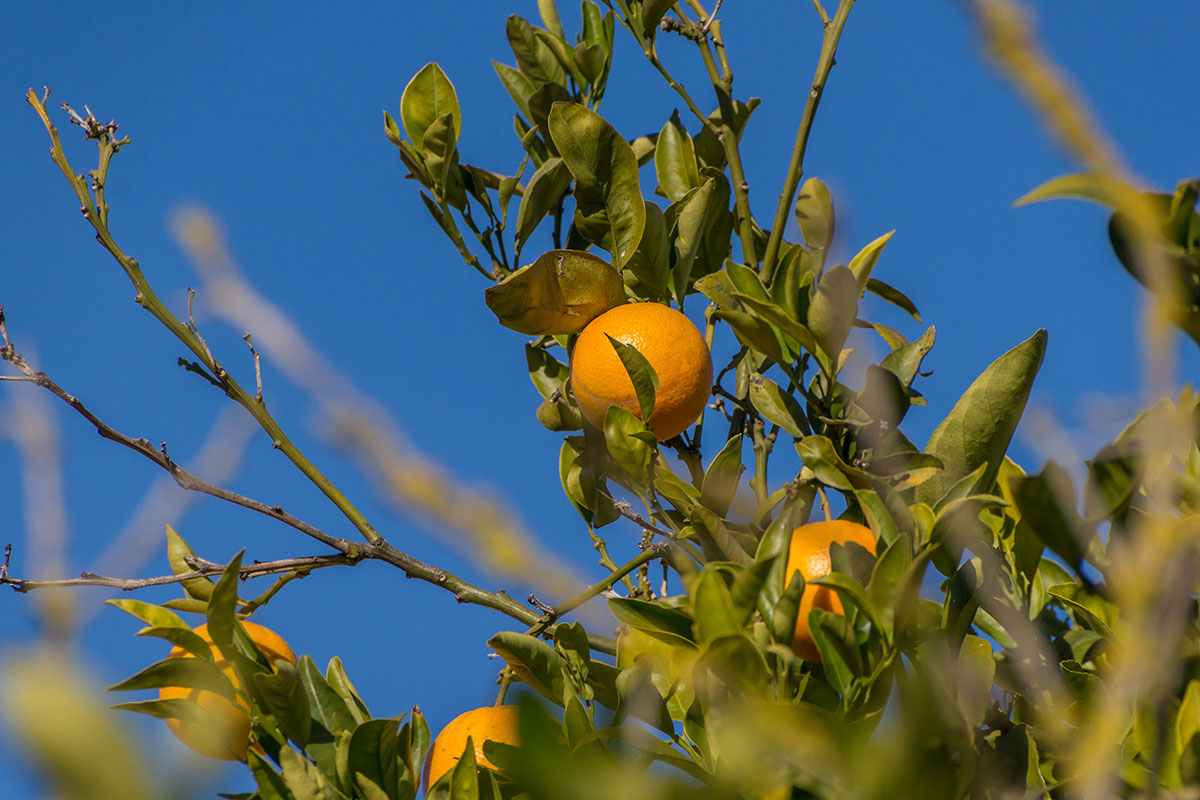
x=488 y=532
x=34 y=429
x=1154 y=571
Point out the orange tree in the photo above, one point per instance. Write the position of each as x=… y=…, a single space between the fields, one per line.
x=963 y=629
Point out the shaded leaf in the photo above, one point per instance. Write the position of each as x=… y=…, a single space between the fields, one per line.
x=561 y=292
x=814 y=213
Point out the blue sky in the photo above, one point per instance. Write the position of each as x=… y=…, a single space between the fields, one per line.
x=270 y=115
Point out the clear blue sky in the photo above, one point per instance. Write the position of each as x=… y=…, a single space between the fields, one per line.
x=271 y=115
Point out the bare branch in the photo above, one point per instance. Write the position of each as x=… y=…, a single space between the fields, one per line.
x=185 y=479
x=258 y=396
x=203 y=570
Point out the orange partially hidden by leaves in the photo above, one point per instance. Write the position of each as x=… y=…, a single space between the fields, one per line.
x=232 y=735
x=809 y=553
x=488 y=724
x=668 y=340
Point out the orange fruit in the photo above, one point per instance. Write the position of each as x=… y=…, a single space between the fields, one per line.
x=672 y=345
x=487 y=724
x=228 y=741
x=809 y=553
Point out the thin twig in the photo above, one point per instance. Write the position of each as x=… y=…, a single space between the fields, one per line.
x=626 y=511
x=258 y=395
x=206 y=569
x=711 y=18
x=185 y=479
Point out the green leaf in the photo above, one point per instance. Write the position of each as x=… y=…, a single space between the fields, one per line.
x=540 y=103
x=561 y=292
x=429 y=95
x=893 y=296
x=722 y=477
x=326 y=706
x=549 y=14
x=1095 y=187
x=976 y=676
x=287 y=701
x=820 y=456
x=176 y=708
x=592 y=62
x=981 y=424
x=220 y=615
x=863 y=263
x=547 y=372
x=701 y=223
x=535 y=59
x=269 y=782
x=833 y=309
x=1091 y=610
x=787 y=607
x=836 y=643
x=756 y=333
x=715 y=538
x=653 y=619
x=375 y=754
x=652 y=259
x=517 y=85
x=814 y=213
x=188 y=673
x=905 y=362
x=152 y=615
x=1187 y=724
x=629 y=442
x=777 y=406
x=441 y=162
x=534 y=662
x=652 y=13
x=641 y=373
x=181 y=637
x=747 y=585
x=609 y=209
x=547 y=186
x=178 y=551
x=639 y=698
x=1047 y=505
x=718 y=288
x=849 y=590
x=675 y=160
x=304 y=779
x=735 y=657
x=713 y=607
x=778 y=317
x=339 y=681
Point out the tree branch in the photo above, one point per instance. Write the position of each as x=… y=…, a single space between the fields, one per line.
x=829 y=43
x=205 y=569
x=96 y=213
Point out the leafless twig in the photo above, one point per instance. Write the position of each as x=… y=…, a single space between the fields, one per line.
x=204 y=569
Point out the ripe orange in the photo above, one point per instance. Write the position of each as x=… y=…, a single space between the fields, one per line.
x=487 y=724
x=232 y=735
x=672 y=345
x=809 y=553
